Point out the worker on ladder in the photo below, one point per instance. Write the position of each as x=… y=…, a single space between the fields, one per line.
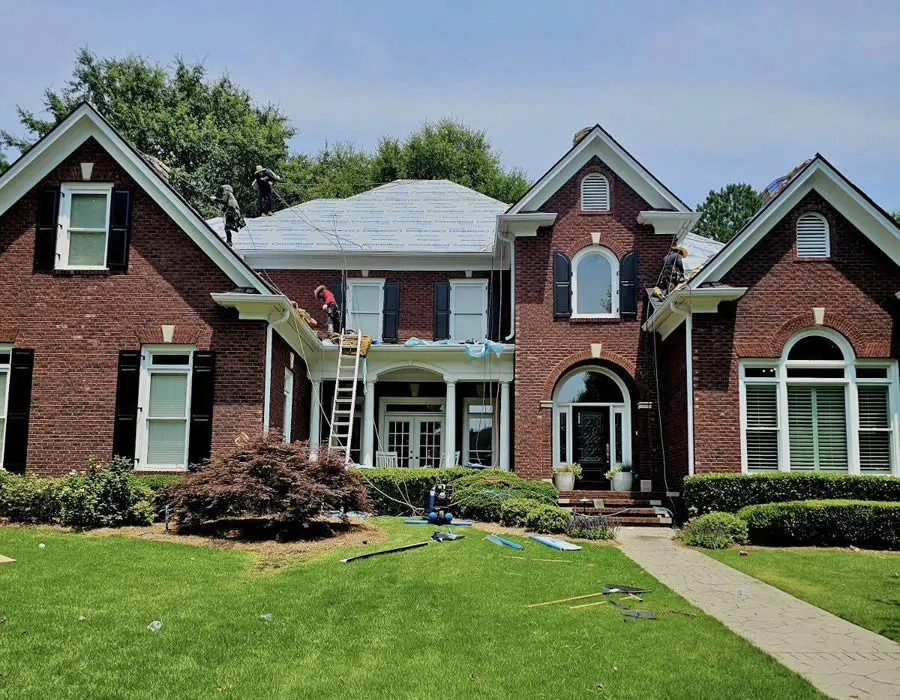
x=233 y=220
x=672 y=273
x=331 y=308
x=263 y=179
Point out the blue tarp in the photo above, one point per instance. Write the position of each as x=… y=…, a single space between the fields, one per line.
x=476 y=350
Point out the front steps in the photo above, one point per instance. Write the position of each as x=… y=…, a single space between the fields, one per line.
x=621 y=507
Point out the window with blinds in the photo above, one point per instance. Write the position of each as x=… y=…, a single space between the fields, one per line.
x=595 y=192
x=874 y=430
x=812 y=237
x=762 y=427
x=817 y=422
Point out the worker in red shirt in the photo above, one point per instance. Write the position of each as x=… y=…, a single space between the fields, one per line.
x=331 y=308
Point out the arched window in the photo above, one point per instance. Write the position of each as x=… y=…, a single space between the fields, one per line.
x=595 y=283
x=813 y=240
x=819 y=408
x=594 y=192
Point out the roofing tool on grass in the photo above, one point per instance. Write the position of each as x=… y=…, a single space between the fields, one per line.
x=565 y=600
x=618 y=588
x=555 y=542
x=448 y=536
x=6 y=560
x=385 y=551
x=587 y=605
x=496 y=539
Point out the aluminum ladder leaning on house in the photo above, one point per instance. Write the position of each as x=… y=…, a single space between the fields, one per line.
x=343 y=406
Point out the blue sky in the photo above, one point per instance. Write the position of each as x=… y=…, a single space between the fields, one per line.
x=703 y=93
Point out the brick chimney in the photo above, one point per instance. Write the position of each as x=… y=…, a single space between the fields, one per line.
x=581 y=134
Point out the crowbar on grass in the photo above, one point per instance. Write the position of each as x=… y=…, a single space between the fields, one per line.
x=586 y=605
x=564 y=600
x=384 y=551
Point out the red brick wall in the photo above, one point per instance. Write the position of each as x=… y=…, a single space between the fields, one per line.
x=281 y=360
x=856 y=287
x=546 y=347
x=416 y=293
x=673 y=405
x=77 y=324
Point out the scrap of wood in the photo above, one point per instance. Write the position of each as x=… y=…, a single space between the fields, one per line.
x=561 y=561
x=586 y=605
x=632 y=596
x=6 y=560
x=563 y=600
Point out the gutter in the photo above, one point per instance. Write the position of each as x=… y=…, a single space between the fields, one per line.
x=267 y=390
x=689 y=370
x=512 y=286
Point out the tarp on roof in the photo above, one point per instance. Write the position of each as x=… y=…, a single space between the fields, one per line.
x=404 y=216
x=700 y=249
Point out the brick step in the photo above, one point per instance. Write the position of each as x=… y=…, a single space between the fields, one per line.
x=614 y=503
x=631 y=512
x=643 y=521
x=612 y=495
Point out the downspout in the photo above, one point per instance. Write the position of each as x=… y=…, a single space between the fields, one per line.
x=689 y=370
x=267 y=390
x=512 y=286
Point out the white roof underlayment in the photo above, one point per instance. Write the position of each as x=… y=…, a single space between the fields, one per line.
x=404 y=216
x=700 y=249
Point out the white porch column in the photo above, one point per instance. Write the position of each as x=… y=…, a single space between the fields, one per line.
x=450 y=426
x=315 y=410
x=368 y=426
x=504 y=426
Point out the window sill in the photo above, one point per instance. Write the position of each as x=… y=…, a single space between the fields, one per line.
x=81 y=273
x=812 y=260
x=589 y=212
x=162 y=470
x=596 y=319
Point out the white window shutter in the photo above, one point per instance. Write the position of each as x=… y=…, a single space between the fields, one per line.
x=595 y=192
x=812 y=237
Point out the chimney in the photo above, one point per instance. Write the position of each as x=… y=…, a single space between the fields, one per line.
x=581 y=134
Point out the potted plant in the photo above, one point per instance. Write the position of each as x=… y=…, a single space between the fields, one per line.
x=564 y=476
x=621 y=477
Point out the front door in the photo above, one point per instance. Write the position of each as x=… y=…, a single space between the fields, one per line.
x=590 y=441
x=415 y=439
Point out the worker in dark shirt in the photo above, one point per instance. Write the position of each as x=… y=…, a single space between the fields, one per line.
x=331 y=308
x=263 y=179
x=229 y=206
x=673 y=268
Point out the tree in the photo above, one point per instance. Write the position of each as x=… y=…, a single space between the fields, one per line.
x=895 y=214
x=726 y=211
x=4 y=164
x=208 y=131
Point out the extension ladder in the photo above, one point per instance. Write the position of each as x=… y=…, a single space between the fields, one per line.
x=343 y=406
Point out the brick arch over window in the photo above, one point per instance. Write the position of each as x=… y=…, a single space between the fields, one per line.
x=628 y=368
x=862 y=346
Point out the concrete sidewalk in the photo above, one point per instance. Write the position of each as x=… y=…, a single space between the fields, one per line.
x=838 y=657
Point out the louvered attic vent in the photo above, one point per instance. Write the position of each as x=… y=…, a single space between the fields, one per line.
x=812 y=237
x=595 y=193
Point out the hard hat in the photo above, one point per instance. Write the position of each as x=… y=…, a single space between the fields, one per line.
x=320 y=288
x=259 y=167
x=681 y=250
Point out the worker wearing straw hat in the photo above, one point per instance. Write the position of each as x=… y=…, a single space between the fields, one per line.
x=673 y=268
x=263 y=178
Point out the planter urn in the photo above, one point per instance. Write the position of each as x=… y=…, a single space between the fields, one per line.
x=621 y=481
x=564 y=481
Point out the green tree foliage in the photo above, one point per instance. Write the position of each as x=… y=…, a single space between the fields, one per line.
x=4 y=164
x=895 y=214
x=726 y=211
x=208 y=131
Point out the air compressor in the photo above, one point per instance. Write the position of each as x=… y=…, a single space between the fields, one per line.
x=437 y=502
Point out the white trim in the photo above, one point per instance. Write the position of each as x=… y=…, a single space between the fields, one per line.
x=596 y=181
x=384 y=415
x=604 y=252
x=6 y=369
x=836 y=190
x=288 y=413
x=475 y=401
x=689 y=371
x=599 y=143
x=348 y=303
x=267 y=382
x=669 y=315
x=481 y=284
x=418 y=261
x=64 y=231
x=505 y=433
x=826 y=232
x=83 y=123
x=669 y=223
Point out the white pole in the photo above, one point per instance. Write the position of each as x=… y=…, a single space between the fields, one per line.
x=450 y=426
x=315 y=411
x=504 y=426
x=368 y=427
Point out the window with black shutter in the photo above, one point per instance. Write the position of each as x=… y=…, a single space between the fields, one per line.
x=442 y=311
x=14 y=449
x=127 y=387
x=202 y=397
x=391 y=310
x=46 y=229
x=562 y=285
x=119 y=238
x=628 y=277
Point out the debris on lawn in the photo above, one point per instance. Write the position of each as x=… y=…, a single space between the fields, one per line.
x=496 y=539
x=672 y=611
x=2 y=620
x=41 y=545
x=743 y=553
x=266 y=617
x=632 y=614
x=555 y=542
x=422 y=521
x=154 y=626
x=564 y=600
x=448 y=536
x=81 y=618
x=587 y=605
x=552 y=561
x=854 y=548
x=6 y=560
x=617 y=588
x=384 y=551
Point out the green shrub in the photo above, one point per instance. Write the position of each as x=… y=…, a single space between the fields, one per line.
x=871 y=524
x=590 y=527
x=714 y=531
x=157 y=482
x=731 y=492
x=402 y=490
x=546 y=518
x=514 y=511
x=106 y=495
x=481 y=494
x=29 y=499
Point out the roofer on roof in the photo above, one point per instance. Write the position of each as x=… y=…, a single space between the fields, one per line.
x=229 y=205
x=331 y=308
x=672 y=270
x=262 y=181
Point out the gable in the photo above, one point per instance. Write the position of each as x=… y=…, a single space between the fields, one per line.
x=599 y=144
x=85 y=123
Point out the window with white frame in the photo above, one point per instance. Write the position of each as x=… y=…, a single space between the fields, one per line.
x=594 y=192
x=468 y=309
x=288 y=404
x=365 y=303
x=164 y=404
x=813 y=240
x=5 y=355
x=478 y=429
x=595 y=283
x=81 y=241
x=819 y=408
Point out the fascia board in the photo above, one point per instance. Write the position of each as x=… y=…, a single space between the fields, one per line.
x=415 y=262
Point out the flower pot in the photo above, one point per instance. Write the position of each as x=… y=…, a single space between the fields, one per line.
x=564 y=481
x=621 y=481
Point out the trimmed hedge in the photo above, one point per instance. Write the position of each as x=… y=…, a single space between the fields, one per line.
x=731 y=492
x=533 y=515
x=481 y=494
x=714 y=531
x=873 y=524
x=391 y=488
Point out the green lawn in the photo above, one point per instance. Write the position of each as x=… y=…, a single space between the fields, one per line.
x=862 y=587
x=447 y=621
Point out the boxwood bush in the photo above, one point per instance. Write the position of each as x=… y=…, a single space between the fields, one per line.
x=873 y=524
x=401 y=490
x=481 y=494
x=714 y=531
x=731 y=492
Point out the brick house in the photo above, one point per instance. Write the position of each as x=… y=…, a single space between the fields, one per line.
x=515 y=336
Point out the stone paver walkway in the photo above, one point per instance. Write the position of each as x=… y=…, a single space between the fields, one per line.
x=839 y=658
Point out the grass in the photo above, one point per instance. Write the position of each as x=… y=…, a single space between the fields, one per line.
x=862 y=587
x=445 y=621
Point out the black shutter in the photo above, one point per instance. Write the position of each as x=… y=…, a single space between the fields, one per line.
x=628 y=271
x=17 y=410
x=494 y=331
x=562 y=285
x=391 y=330
x=336 y=287
x=442 y=311
x=202 y=394
x=127 y=385
x=119 y=231
x=45 y=231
